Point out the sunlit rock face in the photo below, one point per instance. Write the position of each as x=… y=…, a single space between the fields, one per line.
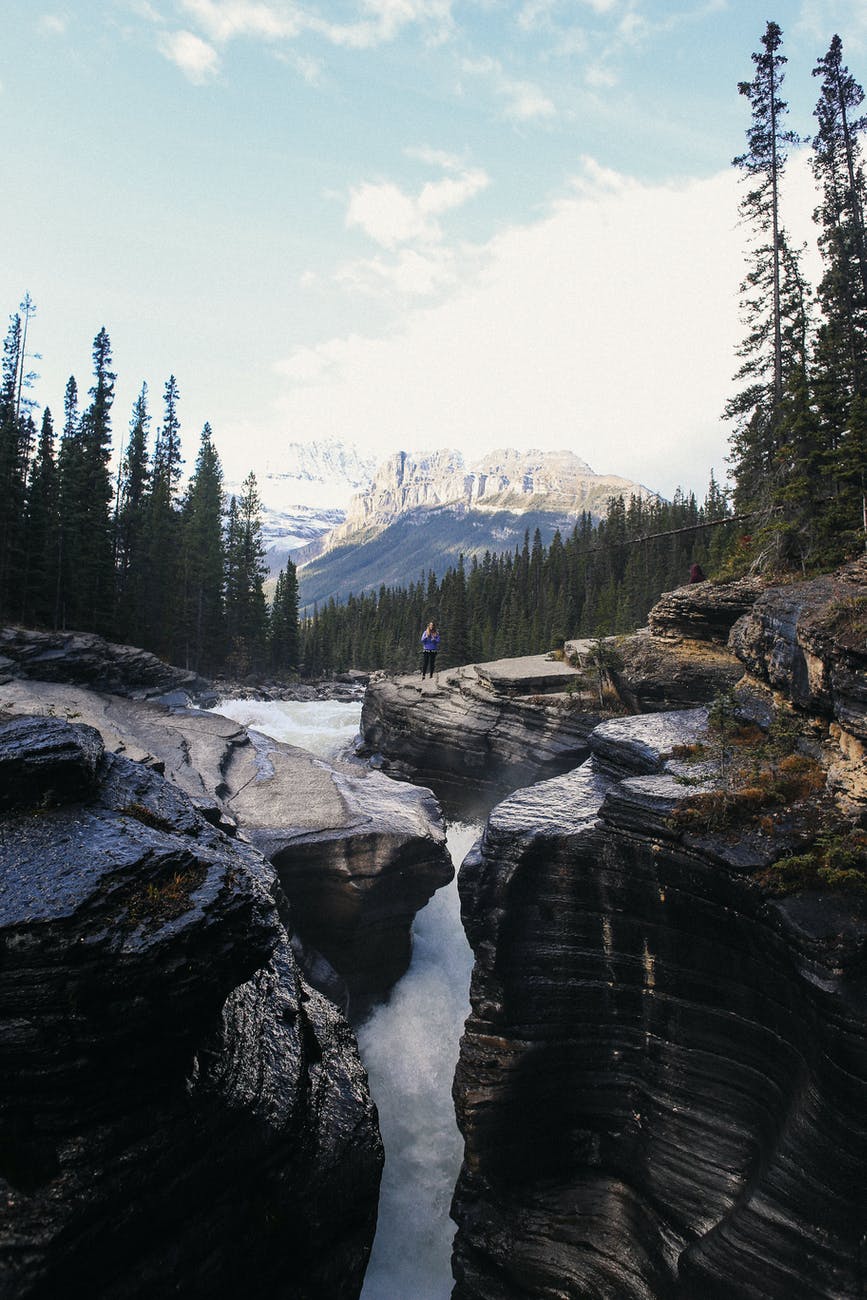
x=179 y=1112
x=663 y=1080
x=806 y=644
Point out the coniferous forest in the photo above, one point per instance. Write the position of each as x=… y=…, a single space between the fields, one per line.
x=137 y=557
x=131 y=555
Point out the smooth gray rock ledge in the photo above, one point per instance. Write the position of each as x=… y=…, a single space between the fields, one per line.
x=357 y=854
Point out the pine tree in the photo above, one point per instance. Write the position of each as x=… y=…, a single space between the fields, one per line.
x=14 y=447
x=130 y=553
x=283 y=632
x=70 y=474
x=772 y=294
x=161 y=598
x=246 y=608
x=841 y=351
x=203 y=560
x=42 y=530
x=95 y=558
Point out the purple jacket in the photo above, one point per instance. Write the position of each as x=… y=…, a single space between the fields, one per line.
x=430 y=642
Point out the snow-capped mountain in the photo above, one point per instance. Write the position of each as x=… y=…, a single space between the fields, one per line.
x=421 y=512
x=306 y=494
x=517 y=481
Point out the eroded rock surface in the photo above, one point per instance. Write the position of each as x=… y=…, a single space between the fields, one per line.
x=488 y=728
x=89 y=660
x=478 y=730
x=357 y=854
x=663 y=1079
x=179 y=1112
x=703 y=611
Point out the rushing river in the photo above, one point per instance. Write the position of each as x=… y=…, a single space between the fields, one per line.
x=409 y=1044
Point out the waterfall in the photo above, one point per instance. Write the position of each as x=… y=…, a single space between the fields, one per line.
x=409 y=1044
x=410 y=1048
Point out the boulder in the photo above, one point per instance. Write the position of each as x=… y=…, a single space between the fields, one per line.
x=662 y=1084
x=170 y=1089
x=357 y=854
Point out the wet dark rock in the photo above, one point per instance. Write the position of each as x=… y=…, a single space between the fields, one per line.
x=90 y=660
x=663 y=1079
x=179 y=1112
x=358 y=854
x=45 y=761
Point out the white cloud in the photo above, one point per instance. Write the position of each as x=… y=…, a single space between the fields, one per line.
x=610 y=327
x=408 y=273
x=197 y=59
x=600 y=77
x=524 y=101
x=222 y=20
x=633 y=28
x=53 y=24
x=391 y=216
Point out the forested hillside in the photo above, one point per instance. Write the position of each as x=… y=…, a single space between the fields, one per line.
x=599 y=579
x=132 y=556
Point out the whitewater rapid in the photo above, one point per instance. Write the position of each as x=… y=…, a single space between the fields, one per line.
x=409 y=1044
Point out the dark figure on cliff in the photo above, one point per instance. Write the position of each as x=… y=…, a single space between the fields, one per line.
x=696 y=574
x=430 y=644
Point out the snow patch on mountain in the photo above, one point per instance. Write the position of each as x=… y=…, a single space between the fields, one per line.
x=306 y=493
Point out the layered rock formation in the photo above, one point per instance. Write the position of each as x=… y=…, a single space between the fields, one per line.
x=179 y=1112
x=475 y=732
x=480 y=731
x=806 y=644
x=89 y=660
x=663 y=1080
x=357 y=854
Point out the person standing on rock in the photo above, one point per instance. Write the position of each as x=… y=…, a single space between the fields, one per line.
x=430 y=644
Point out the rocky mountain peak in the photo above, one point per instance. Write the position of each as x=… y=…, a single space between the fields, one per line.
x=502 y=479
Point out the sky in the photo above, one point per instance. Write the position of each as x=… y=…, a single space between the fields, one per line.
x=403 y=224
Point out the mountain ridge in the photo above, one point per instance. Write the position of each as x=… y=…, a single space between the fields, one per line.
x=422 y=511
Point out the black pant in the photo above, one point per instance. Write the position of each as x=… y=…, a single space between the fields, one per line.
x=428 y=659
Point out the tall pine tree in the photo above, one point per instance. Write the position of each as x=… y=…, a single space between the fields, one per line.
x=773 y=294
x=203 y=561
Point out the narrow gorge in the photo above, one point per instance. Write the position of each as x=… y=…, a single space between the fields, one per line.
x=661 y=1087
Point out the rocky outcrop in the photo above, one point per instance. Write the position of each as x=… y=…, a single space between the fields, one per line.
x=806 y=644
x=475 y=733
x=90 y=660
x=179 y=1112
x=663 y=1079
x=703 y=611
x=357 y=854
x=504 y=479
x=808 y=641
